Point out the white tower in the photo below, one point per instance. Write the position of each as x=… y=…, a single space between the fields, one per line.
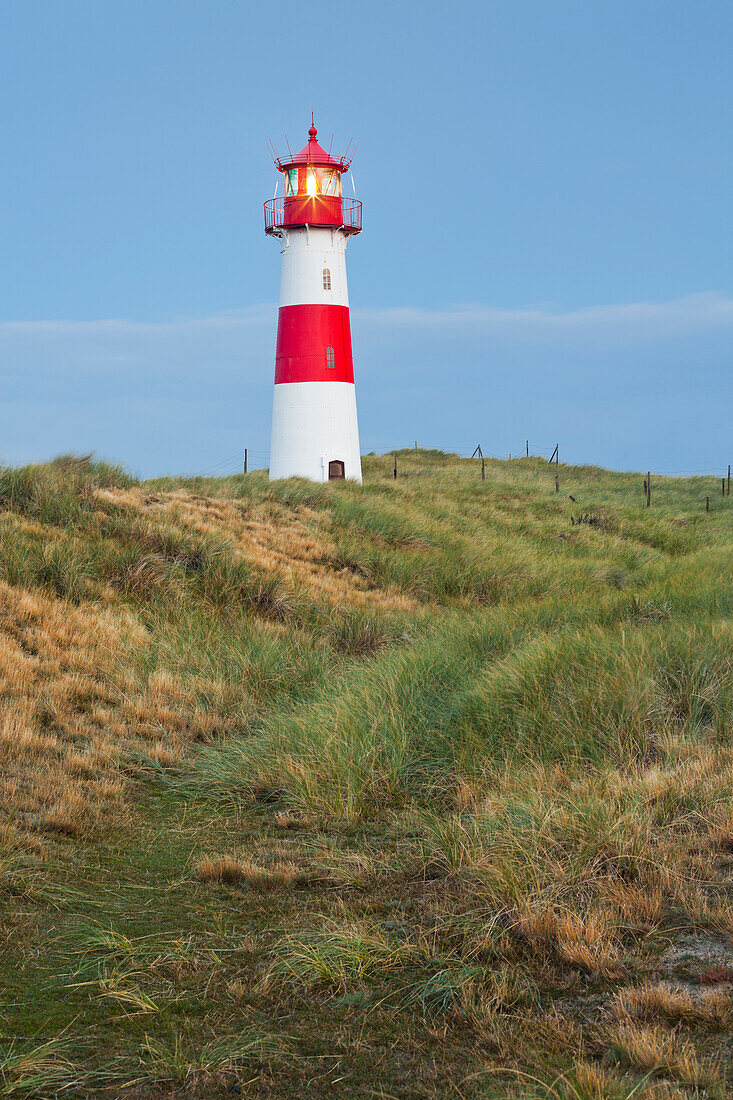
x=314 y=428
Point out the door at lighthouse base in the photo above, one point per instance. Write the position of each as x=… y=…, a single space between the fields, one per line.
x=336 y=470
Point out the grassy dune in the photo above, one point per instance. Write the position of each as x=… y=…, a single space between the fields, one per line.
x=420 y=789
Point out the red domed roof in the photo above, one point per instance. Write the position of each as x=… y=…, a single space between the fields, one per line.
x=312 y=153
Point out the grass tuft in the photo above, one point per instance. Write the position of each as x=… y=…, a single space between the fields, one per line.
x=229 y=869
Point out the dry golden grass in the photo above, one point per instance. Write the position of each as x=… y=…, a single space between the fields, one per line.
x=230 y=869
x=587 y=942
x=292 y=543
x=658 y=1051
x=660 y=1000
x=73 y=710
x=639 y=905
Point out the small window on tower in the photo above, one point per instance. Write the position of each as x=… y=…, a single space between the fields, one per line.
x=326 y=279
x=291 y=182
x=330 y=358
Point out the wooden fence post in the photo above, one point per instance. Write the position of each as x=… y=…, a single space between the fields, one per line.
x=483 y=468
x=556 y=456
x=395 y=467
x=527 y=448
x=648 y=488
x=245 y=460
x=707 y=504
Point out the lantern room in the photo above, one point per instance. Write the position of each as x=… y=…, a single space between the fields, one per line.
x=313 y=192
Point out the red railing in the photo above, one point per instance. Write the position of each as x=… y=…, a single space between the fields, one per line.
x=332 y=211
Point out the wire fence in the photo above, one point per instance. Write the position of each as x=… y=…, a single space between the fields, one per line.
x=531 y=449
x=245 y=460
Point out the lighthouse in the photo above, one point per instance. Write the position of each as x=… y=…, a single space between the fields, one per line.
x=314 y=429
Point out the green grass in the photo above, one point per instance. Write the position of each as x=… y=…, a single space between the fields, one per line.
x=415 y=789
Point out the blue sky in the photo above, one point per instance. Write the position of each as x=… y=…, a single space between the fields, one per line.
x=547 y=245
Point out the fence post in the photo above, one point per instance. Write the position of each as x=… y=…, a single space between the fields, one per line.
x=245 y=460
x=728 y=493
x=723 y=484
x=556 y=456
x=527 y=448
x=707 y=504
x=395 y=467
x=648 y=488
x=483 y=468
x=415 y=446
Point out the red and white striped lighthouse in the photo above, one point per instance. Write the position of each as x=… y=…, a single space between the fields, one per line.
x=314 y=429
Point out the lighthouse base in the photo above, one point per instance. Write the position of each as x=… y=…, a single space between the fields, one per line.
x=314 y=430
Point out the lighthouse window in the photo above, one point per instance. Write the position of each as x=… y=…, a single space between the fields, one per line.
x=326 y=279
x=291 y=182
x=330 y=358
x=331 y=182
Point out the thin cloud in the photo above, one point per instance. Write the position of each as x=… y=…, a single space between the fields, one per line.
x=112 y=341
x=627 y=321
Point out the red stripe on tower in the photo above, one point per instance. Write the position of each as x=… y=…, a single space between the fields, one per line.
x=313 y=344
